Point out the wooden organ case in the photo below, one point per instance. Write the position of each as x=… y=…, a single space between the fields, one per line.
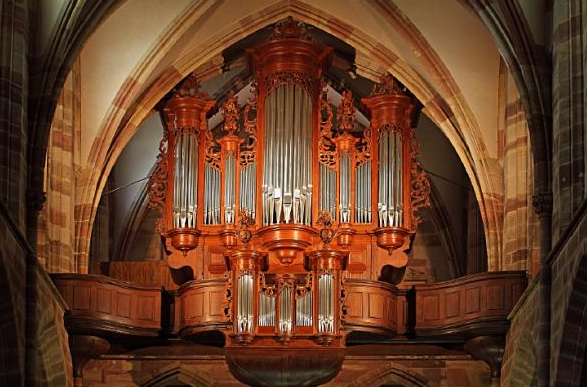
x=287 y=192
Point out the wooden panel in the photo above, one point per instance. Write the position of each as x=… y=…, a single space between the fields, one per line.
x=431 y=307
x=81 y=298
x=99 y=298
x=472 y=300
x=201 y=305
x=124 y=305
x=371 y=306
x=453 y=304
x=146 y=308
x=495 y=297
x=354 y=302
x=376 y=305
x=444 y=306
x=216 y=299
x=196 y=306
x=104 y=301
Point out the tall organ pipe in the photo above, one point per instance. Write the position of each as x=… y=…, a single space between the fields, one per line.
x=287 y=175
x=325 y=303
x=185 y=198
x=390 y=201
x=245 y=303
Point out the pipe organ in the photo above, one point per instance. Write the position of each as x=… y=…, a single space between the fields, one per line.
x=282 y=178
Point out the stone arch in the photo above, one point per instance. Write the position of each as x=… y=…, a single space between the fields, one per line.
x=389 y=374
x=571 y=356
x=76 y=23
x=133 y=104
x=530 y=68
x=175 y=373
x=507 y=25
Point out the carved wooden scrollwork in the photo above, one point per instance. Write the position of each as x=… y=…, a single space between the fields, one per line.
x=420 y=186
x=231 y=112
x=212 y=147
x=289 y=78
x=290 y=29
x=386 y=85
x=157 y=186
x=343 y=301
x=302 y=290
x=364 y=147
x=390 y=128
x=227 y=302
x=249 y=148
x=326 y=147
x=268 y=290
x=345 y=113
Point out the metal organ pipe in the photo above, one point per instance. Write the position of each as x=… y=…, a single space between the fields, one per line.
x=211 y=195
x=266 y=310
x=247 y=188
x=229 y=189
x=285 y=309
x=345 y=187
x=304 y=310
x=245 y=303
x=325 y=303
x=363 y=193
x=328 y=190
x=185 y=193
x=390 y=201
x=287 y=185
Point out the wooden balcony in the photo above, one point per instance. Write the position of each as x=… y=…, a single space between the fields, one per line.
x=462 y=308
x=467 y=307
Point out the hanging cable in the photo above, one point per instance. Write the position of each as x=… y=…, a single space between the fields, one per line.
x=124 y=186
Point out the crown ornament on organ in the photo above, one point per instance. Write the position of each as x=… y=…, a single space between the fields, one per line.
x=285 y=188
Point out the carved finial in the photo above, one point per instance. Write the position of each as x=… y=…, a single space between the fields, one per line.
x=325 y=222
x=190 y=87
x=231 y=110
x=245 y=221
x=290 y=29
x=387 y=85
x=345 y=113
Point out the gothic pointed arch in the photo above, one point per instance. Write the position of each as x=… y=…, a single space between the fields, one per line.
x=176 y=374
x=136 y=99
x=390 y=374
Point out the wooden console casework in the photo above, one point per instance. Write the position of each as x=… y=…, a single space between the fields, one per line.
x=284 y=177
x=285 y=157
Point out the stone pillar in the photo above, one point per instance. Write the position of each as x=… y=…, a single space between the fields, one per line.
x=569 y=96
x=56 y=224
x=517 y=166
x=13 y=114
x=14 y=44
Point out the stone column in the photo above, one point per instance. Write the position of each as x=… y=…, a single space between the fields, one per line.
x=517 y=165
x=569 y=96
x=14 y=45
x=56 y=225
